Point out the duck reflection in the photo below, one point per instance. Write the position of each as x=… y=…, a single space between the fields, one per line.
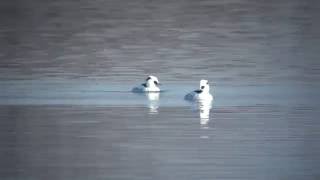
x=204 y=107
x=153 y=102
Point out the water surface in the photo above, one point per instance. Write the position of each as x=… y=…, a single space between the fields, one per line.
x=67 y=68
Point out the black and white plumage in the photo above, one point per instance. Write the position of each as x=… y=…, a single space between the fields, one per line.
x=203 y=93
x=151 y=85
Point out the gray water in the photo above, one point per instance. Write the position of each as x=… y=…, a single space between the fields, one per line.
x=67 y=68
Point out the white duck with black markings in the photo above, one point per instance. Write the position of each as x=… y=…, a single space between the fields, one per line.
x=202 y=94
x=151 y=85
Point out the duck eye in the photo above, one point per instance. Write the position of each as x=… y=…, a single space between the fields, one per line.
x=155 y=82
x=148 y=78
x=202 y=87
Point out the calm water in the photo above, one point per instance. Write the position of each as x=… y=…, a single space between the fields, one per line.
x=67 y=68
